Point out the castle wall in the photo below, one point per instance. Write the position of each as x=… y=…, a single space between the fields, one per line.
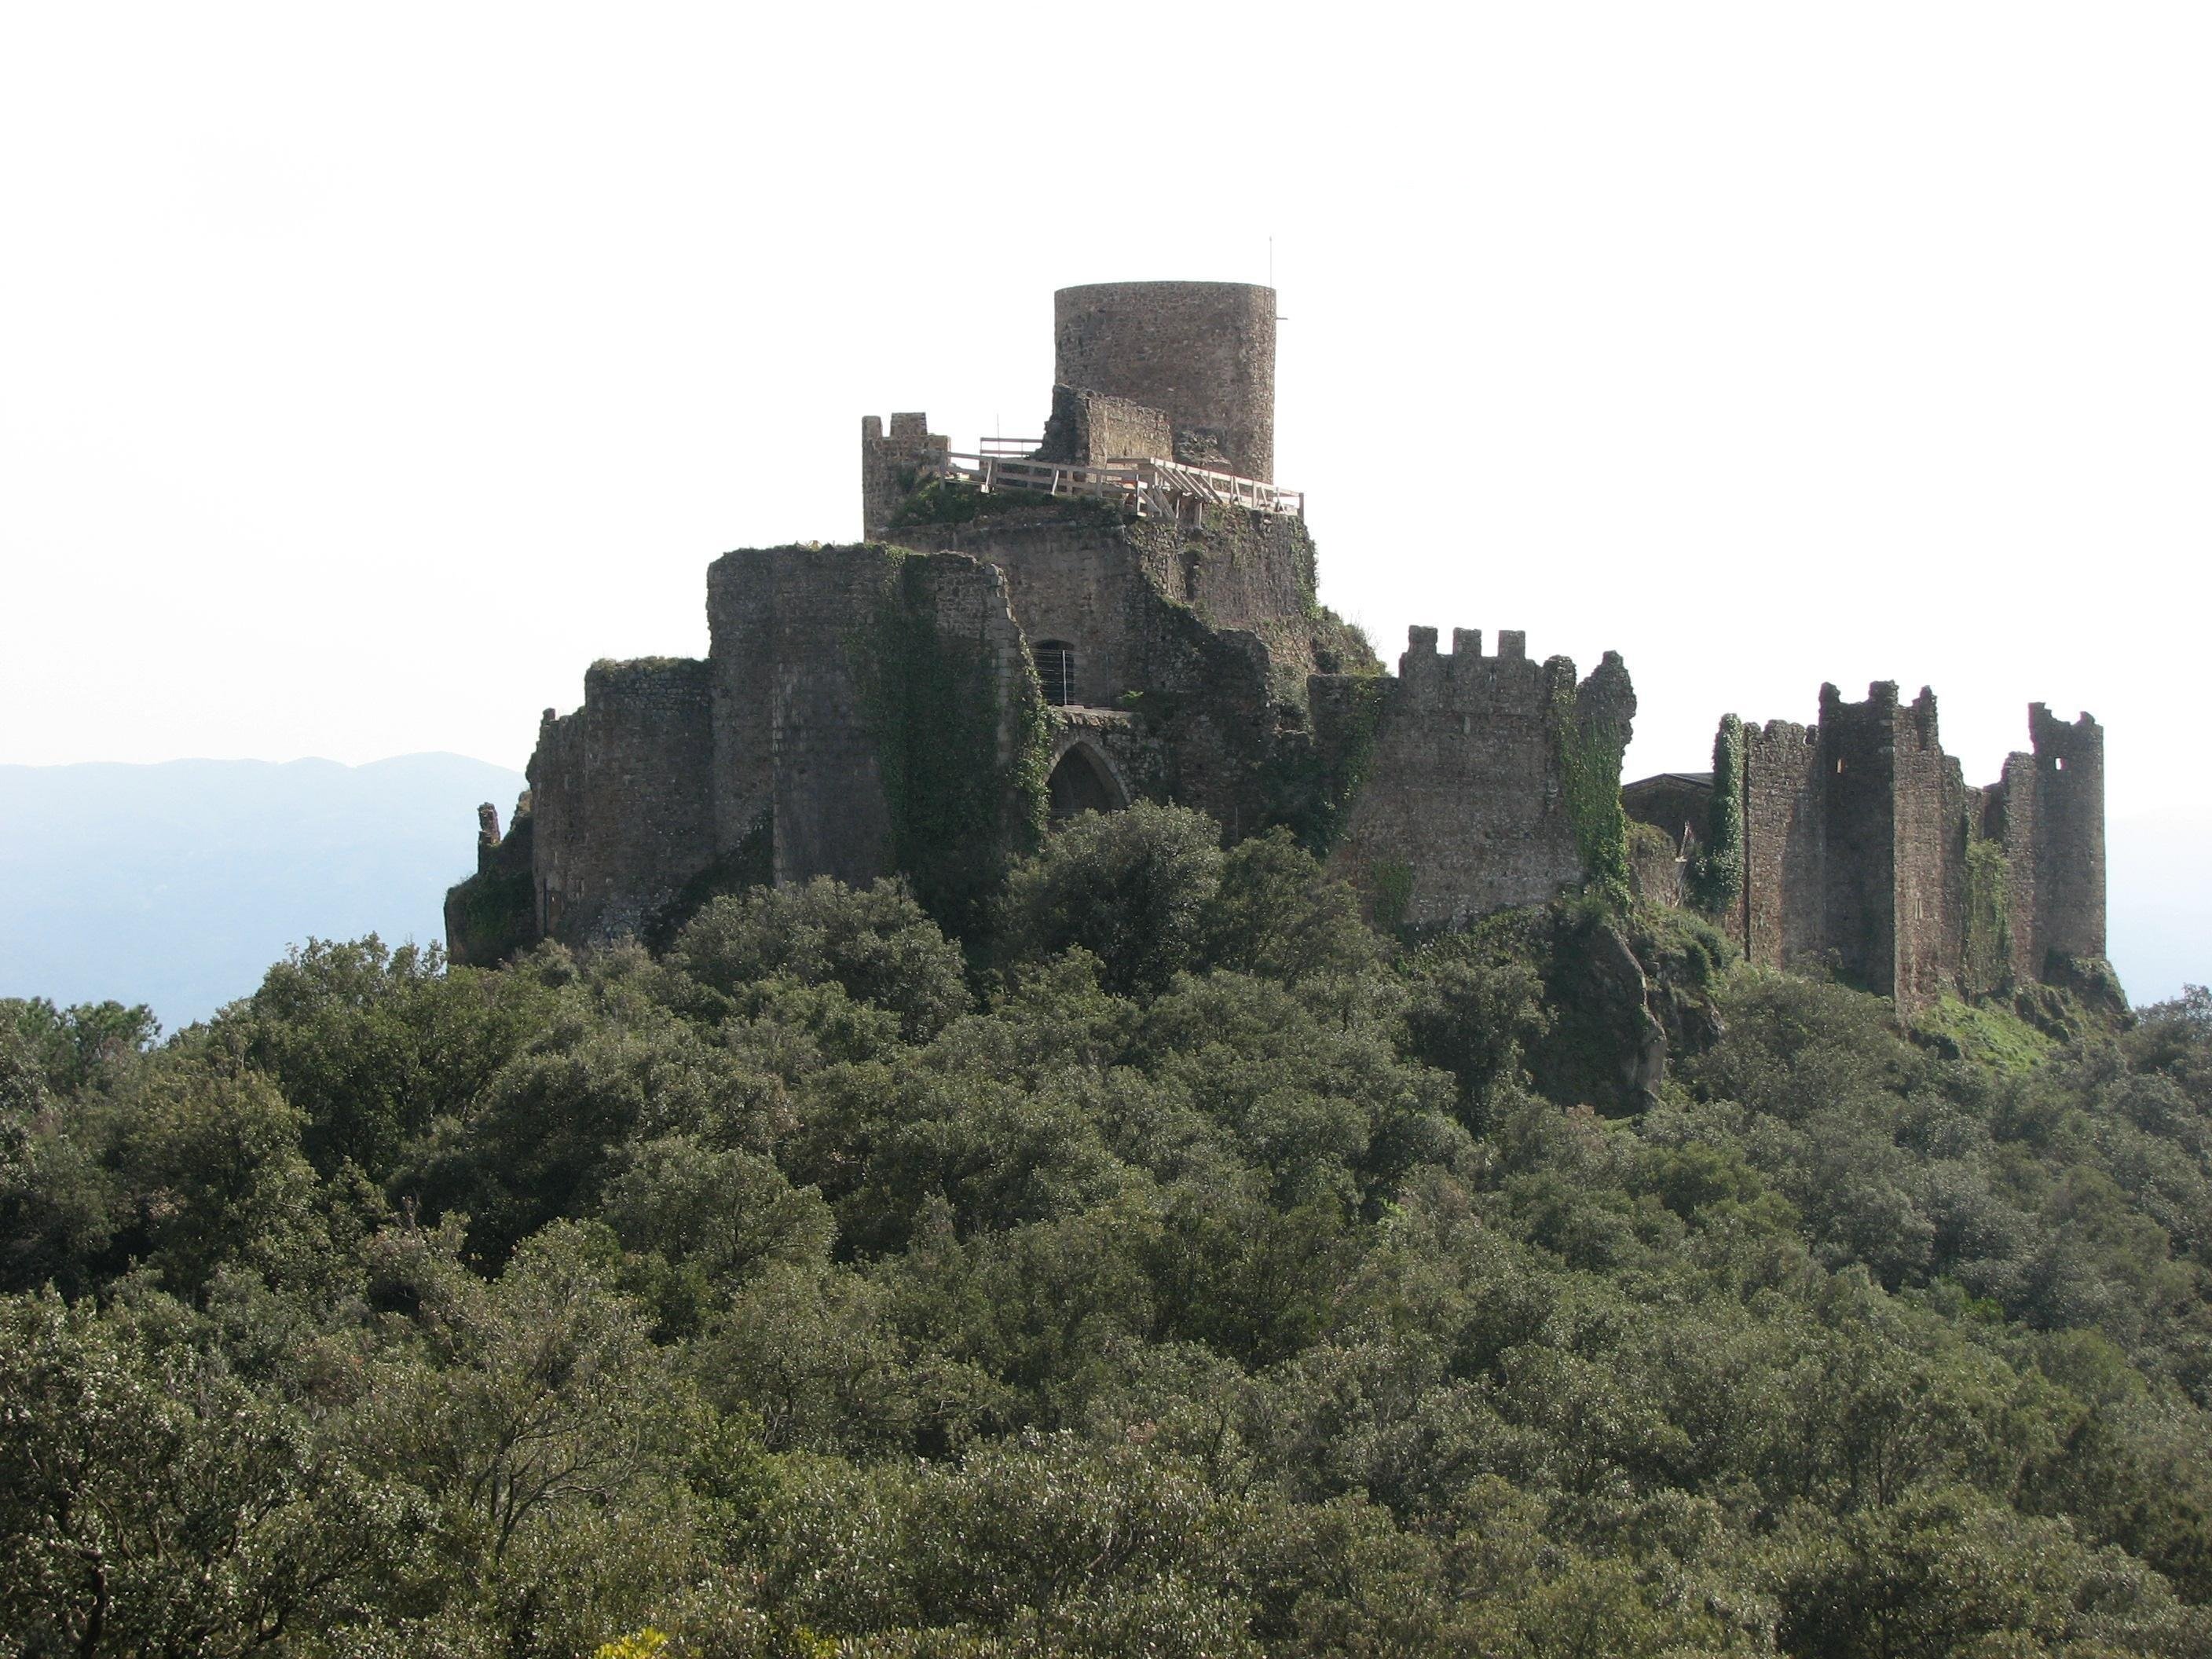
x=1236 y=568
x=1928 y=860
x=2067 y=837
x=622 y=812
x=1090 y=428
x=1203 y=352
x=798 y=745
x=2010 y=814
x=1068 y=580
x=887 y=459
x=1865 y=849
x=1207 y=673
x=1858 y=765
x=1781 y=915
x=1462 y=809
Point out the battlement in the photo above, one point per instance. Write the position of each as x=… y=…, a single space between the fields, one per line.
x=1467 y=644
x=890 y=464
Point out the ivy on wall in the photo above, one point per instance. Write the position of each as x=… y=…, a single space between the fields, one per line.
x=1716 y=874
x=959 y=808
x=1313 y=787
x=1391 y=883
x=1986 y=957
x=1590 y=753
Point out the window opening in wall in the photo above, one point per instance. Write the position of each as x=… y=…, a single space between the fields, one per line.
x=1055 y=665
x=2060 y=763
x=1839 y=766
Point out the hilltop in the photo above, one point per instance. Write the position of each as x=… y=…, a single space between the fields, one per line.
x=1181 y=1268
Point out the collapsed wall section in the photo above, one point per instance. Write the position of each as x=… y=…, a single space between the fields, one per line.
x=1090 y=428
x=1865 y=853
x=622 y=810
x=1466 y=799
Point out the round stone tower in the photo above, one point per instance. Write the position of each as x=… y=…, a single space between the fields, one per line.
x=1202 y=353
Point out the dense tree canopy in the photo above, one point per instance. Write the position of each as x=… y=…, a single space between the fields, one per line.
x=1184 y=1270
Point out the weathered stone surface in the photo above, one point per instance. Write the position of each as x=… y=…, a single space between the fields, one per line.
x=1859 y=850
x=1199 y=667
x=1463 y=809
x=1202 y=352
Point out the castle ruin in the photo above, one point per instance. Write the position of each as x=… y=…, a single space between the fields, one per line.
x=1125 y=607
x=1854 y=846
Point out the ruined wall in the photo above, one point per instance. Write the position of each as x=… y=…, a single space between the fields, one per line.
x=1865 y=850
x=1090 y=428
x=622 y=809
x=1071 y=578
x=493 y=914
x=1675 y=804
x=1204 y=352
x=889 y=460
x=1236 y=567
x=799 y=648
x=1857 y=770
x=1930 y=821
x=2009 y=816
x=1781 y=912
x=1099 y=586
x=1206 y=632
x=794 y=751
x=2069 y=864
x=1462 y=806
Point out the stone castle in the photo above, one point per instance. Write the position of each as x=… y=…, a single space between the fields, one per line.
x=1126 y=607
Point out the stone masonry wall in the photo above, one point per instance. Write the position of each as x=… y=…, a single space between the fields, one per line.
x=1462 y=808
x=1930 y=821
x=1859 y=850
x=1207 y=680
x=1857 y=770
x=1780 y=914
x=885 y=459
x=791 y=749
x=796 y=746
x=622 y=813
x=1204 y=352
x=2068 y=837
x=1070 y=579
x=1090 y=428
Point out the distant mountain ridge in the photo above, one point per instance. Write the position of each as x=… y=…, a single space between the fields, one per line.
x=177 y=884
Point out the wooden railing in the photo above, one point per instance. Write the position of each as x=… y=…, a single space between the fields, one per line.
x=1156 y=488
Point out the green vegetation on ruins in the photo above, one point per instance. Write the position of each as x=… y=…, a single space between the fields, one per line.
x=1181 y=1268
x=960 y=798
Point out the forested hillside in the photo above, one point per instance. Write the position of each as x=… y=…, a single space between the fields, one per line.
x=1185 y=1270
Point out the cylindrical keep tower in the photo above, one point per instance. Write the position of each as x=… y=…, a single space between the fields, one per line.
x=1203 y=353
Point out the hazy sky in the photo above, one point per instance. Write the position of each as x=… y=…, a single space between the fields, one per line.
x=365 y=373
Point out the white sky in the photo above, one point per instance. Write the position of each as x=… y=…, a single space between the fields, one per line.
x=365 y=373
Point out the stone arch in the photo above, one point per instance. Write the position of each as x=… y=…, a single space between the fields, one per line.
x=1084 y=781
